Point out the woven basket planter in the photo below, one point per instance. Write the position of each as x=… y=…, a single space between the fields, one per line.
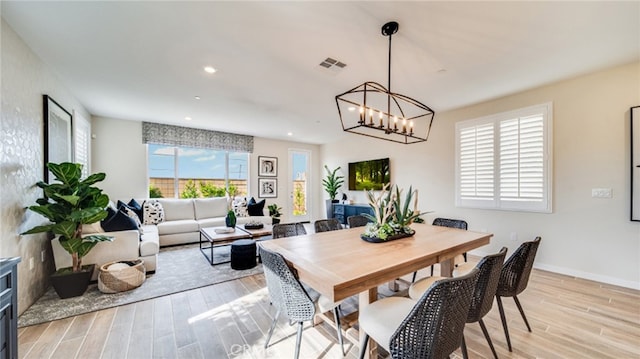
x=121 y=280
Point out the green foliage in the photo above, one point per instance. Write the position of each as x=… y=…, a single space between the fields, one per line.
x=274 y=210
x=68 y=204
x=392 y=215
x=299 y=202
x=190 y=190
x=210 y=190
x=332 y=182
x=154 y=192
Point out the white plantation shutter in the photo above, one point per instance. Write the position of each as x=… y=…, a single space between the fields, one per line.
x=504 y=162
x=82 y=143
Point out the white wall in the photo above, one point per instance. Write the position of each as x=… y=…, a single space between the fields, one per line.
x=25 y=78
x=585 y=237
x=118 y=151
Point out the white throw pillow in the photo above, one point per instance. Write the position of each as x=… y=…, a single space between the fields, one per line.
x=153 y=212
x=240 y=207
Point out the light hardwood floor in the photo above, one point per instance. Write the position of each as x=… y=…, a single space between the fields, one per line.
x=570 y=318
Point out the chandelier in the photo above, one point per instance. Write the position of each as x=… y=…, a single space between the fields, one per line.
x=372 y=110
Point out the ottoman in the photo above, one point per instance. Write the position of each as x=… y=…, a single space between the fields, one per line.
x=243 y=254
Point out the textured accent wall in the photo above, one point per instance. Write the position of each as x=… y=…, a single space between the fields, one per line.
x=24 y=79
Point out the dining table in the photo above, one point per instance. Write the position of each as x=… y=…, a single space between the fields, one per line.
x=340 y=264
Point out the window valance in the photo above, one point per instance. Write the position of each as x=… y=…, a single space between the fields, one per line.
x=194 y=137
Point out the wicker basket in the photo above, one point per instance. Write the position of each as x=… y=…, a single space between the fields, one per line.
x=121 y=280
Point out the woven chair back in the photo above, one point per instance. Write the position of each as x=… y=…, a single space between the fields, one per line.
x=434 y=327
x=489 y=269
x=451 y=223
x=357 y=221
x=285 y=291
x=516 y=270
x=288 y=230
x=326 y=225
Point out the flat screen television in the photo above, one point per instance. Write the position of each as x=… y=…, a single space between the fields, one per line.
x=369 y=175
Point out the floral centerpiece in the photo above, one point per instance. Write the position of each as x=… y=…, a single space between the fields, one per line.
x=392 y=216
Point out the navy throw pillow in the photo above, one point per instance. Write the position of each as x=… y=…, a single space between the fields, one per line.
x=255 y=208
x=136 y=207
x=118 y=221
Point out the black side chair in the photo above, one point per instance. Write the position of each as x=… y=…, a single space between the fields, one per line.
x=326 y=225
x=514 y=278
x=432 y=327
x=291 y=299
x=287 y=230
x=489 y=269
x=451 y=223
x=357 y=221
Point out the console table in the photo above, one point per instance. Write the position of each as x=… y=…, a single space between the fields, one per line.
x=342 y=211
x=9 y=307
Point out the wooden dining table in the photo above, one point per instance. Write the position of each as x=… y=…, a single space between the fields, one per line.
x=339 y=264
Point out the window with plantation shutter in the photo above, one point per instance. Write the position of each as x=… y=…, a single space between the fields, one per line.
x=82 y=143
x=503 y=161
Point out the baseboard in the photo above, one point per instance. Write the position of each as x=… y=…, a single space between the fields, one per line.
x=575 y=273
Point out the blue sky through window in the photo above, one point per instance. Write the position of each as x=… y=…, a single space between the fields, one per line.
x=195 y=163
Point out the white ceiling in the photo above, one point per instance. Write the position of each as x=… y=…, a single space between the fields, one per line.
x=144 y=60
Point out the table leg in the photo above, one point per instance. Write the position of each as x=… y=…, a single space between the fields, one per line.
x=364 y=298
x=446 y=267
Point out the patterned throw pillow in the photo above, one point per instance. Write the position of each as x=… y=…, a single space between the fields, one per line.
x=240 y=207
x=153 y=212
x=129 y=212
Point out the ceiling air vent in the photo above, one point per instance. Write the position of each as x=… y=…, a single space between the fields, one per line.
x=332 y=65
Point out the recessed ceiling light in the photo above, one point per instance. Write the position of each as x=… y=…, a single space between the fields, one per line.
x=188 y=118
x=289 y=133
x=197 y=97
x=209 y=69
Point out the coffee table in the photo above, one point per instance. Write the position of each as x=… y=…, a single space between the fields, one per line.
x=224 y=239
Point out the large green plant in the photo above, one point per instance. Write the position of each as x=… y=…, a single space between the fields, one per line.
x=332 y=182
x=68 y=204
x=392 y=215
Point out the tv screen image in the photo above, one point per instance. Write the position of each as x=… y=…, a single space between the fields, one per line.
x=369 y=175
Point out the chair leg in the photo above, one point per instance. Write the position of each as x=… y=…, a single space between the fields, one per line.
x=363 y=345
x=515 y=298
x=504 y=322
x=413 y=280
x=486 y=335
x=273 y=326
x=463 y=349
x=298 y=339
x=432 y=270
x=336 y=317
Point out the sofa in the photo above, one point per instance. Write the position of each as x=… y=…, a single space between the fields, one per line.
x=183 y=219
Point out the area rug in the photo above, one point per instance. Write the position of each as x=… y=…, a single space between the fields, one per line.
x=179 y=269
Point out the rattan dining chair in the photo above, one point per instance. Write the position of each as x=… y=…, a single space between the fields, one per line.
x=326 y=225
x=287 y=230
x=514 y=278
x=291 y=299
x=489 y=269
x=357 y=221
x=451 y=223
x=430 y=327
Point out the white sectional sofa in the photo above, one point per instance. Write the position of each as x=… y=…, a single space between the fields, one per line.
x=183 y=219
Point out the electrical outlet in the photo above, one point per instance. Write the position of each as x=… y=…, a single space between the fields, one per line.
x=601 y=193
x=31 y=264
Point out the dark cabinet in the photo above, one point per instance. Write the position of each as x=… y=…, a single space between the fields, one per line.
x=343 y=211
x=9 y=308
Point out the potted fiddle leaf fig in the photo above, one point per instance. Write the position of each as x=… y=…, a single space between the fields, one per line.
x=332 y=184
x=68 y=204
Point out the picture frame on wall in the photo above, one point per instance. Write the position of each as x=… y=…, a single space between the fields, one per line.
x=635 y=163
x=58 y=141
x=267 y=187
x=267 y=166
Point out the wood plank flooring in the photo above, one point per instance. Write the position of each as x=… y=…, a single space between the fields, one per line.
x=570 y=318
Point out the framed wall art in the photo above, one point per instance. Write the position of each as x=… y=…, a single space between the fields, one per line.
x=267 y=187
x=58 y=145
x=635 y=163
x=267 y=166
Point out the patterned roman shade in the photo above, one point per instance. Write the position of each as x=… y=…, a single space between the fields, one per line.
x=193 y=137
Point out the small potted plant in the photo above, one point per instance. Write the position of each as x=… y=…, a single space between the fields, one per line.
x=274 y=212
x=332 y=184
x=68 y=204
x=392 y=216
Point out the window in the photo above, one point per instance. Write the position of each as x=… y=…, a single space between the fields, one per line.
x=82 y=143
x=503 y=161
x=185 y=172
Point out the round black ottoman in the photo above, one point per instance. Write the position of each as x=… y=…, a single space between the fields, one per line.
x=243 y=254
